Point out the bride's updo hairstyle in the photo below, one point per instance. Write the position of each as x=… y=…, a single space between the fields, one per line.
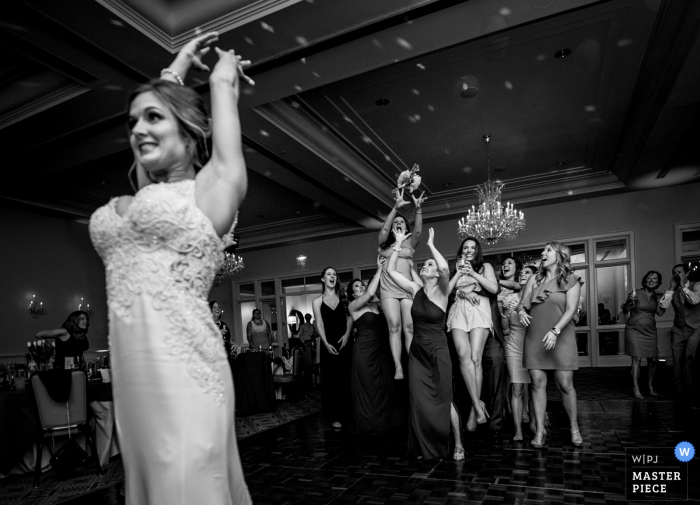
x=188 y=108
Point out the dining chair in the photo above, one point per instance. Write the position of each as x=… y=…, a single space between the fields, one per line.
x=63 y=419
x=294 y=378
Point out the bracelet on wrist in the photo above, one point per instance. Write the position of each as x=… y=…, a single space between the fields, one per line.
x=397 y=250
x=174 y=74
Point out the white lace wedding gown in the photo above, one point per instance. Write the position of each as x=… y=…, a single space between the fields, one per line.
x=173 y=391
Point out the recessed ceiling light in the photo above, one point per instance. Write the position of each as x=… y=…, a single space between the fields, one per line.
x=382 y=102
x=562 y=53
x=560 y=163
x=468 y=91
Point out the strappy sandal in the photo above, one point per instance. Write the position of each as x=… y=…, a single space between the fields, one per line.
x=576 y=438
x=539 y=440
x=458 y=454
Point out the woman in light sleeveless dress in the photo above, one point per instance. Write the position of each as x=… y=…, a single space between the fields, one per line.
x=258 y=332
x=641 y=340
x=173 y=392
x=396 y=302
x=469 y=320
x=514 y=333
x=552 y=296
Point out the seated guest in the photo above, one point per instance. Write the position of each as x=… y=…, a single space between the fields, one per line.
x=71 y=338
x=307 y=331
x=259 y=332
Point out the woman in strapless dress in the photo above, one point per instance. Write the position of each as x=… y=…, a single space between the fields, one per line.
x=172 y=384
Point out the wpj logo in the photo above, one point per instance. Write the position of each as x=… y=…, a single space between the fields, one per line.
x=653 y=473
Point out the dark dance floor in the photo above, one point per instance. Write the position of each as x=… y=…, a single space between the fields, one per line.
x=305 y=462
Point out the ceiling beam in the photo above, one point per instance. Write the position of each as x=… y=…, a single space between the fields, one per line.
x=677 y=25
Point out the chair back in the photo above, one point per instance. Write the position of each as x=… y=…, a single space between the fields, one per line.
x=296 y=363
x=54 y=415
x=306 y=360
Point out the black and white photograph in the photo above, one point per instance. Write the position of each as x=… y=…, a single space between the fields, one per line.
x=291 y=252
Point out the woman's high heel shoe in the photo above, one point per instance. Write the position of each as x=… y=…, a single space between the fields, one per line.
x=538 y=441
x=458 y=454
x=576 y=438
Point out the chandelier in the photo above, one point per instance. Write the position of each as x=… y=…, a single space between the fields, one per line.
x=232 y=263
x=490 y=220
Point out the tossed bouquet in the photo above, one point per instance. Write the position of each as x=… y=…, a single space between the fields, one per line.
x=408 y=179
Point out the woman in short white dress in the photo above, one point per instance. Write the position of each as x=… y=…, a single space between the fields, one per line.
x=469 y=320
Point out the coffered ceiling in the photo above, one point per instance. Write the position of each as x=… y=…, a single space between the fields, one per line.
x=350 y=92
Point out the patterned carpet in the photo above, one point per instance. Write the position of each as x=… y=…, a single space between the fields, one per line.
x=19 y=490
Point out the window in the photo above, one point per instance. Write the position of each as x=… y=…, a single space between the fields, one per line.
x=613 y=282
x=267 y=288
x=690 y=251
x=611 y=250
x=366 y=274
x=246 y=289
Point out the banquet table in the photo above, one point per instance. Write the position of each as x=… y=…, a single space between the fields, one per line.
x=20 y=427
x=252 y=380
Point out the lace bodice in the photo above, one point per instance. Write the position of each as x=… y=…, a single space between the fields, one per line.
x=165 y=249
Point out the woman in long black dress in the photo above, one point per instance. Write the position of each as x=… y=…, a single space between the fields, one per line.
x=71 y=338
x=641 y=340
x=431 y=411
x=374 y=397
x=334 y=324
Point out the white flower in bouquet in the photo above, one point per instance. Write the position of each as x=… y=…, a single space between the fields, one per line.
x=414 y=183
x=408 y=179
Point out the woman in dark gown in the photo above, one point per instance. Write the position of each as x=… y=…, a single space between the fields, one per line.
x=431 y=411
x=552 y=297
x=334 y=325
x=374 y=396
x=641 y=340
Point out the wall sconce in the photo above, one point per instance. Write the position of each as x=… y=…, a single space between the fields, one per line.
x=36 y=307
x=301 y=260
x=84 y=306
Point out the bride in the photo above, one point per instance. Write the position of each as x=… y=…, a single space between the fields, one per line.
x=173 y=392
